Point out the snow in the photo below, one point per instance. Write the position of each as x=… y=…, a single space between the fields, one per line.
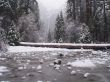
x=86 y=75
x=39 y=81
x=39 y=67
x=73 y=72
x=82 y=63
x=33 y=49
x=4 y=81
x=3 y=69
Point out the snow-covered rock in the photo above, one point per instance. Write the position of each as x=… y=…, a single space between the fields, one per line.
x=57 y=61
x=1 y=74
x=3 y=69
x=57 y=67
x=41 y=61
x=39 y=67
x=20 y=68
x=51 y=64
x=69 y=68
x=86 y=75
x=73 y=72
x=82 y=63
x=39 y=81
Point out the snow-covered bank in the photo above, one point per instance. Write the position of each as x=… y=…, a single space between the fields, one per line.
x=83 y=57
x=33 y=49
x=82 y=63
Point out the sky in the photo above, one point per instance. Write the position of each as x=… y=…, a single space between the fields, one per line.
x=53 y=4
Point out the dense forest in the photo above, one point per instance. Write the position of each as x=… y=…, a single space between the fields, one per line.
x=19 y=21
x=85 y=21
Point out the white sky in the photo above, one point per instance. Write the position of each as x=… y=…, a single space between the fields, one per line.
x=53 y=4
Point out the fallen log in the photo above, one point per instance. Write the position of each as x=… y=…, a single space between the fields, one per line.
x=67 y=45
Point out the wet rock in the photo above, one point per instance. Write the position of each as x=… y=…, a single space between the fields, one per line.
x=30 y=74
x=57 y=61
x=60 y=56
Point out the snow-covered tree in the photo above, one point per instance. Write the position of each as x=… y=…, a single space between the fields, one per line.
x=49 y=36
x=12 y=36
x=60 y=29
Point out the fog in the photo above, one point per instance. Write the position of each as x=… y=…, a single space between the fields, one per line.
x=49 y=9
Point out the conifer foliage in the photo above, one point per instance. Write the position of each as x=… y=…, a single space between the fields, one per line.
x=60 y=29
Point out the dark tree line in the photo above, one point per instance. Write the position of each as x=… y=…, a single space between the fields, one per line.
x=94 y=13
x=60 y=29
x=12 y=11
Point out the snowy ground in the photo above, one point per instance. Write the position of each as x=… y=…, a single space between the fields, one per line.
x=31 y=64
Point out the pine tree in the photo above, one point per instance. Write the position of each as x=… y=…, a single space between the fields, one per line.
x=49 y=36
x=12 y=36
x=60 y=29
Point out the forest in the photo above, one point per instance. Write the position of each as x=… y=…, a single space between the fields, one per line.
x=84 y=21
x=65 y=41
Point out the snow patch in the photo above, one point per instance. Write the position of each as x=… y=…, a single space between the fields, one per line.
x=82 y=63
x=33 y=49
x=3 y=69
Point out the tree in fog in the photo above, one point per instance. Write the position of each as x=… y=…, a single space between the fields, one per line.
x=60 y=29
x=94 y=13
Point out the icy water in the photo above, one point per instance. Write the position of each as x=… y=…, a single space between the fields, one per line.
x=55 y=66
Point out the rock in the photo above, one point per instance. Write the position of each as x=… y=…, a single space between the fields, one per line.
x=20 y=68
x=41 y=61
x=28 y=61
x=57 y=61
x=86 y=75
x=57 y=67
x=30 y=74
x=39 y=71
x=108 y=66
x=68 y=64
x=39 y=67
x=24 y=77
x=73 y=72
x=39 y=81
x=51 y=64
x=60 y=56
x=1 y=74
x=69 y=68
x=33 y=67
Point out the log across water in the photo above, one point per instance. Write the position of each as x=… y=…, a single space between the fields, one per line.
x=67 y=45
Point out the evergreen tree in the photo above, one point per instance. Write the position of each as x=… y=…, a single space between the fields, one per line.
x=60 y=29
x=12 y=36
x=49 y=36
